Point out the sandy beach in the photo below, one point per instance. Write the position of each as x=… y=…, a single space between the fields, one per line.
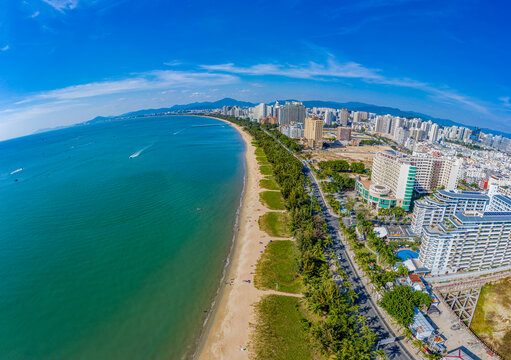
x=228 y=334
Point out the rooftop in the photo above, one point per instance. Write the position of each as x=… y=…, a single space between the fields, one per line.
x=485 y=217
x=503 y=198
x=464 y=195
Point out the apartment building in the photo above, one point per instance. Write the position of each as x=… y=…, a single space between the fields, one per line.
x=313 y=129
x=343 y=133
x=467 y=242
x=313 y=132
x=435 y=171
x=433 y=209
x=291 y=112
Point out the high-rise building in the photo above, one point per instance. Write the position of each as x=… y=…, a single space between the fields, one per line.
x=292 y=112
x=260 y=111
x=467 y=242
x=401 y=136
x=466 y=135
x=343 y=133
x=329 y=117
x=343 y=119
x=378 y=125
x=383 y=124
x=500 y=203
x=392 y=182
x=276 y=110
x=435 y=171
x=294 y=131
x=433 y=133
x=356 y=116
x=313 y=129
x=397 y=124
x=417 y=134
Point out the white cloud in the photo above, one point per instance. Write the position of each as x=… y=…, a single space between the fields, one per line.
x=5 y=48
x=334 y=69
x=506 y=101
x=173 y=63
x=36 y=14
x=62 y=5
x=153 y=80
x=73 y=104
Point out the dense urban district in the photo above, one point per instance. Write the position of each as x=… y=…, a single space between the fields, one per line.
x=401 y=235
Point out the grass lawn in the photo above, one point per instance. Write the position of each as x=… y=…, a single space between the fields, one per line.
x=272 y=199
x=279 y=265
x=259 y=152
x=492 y=316
x=280 y=334
x=275 y=224
x=269 y=184
x=262 y=160
x=266 y=170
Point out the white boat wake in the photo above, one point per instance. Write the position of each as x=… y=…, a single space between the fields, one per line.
x=177 y=132
x=134 y=155
x=17 y=170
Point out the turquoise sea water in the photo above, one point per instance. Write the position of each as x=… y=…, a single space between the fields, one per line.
x=103 y=256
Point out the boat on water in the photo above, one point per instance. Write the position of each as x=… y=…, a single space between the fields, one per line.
x=17 y=170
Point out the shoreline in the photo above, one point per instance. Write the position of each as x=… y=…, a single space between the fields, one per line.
x=226 y=334
x=226 y=271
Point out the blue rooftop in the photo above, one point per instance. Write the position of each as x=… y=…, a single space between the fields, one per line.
x=486 y=217
x=503 y=198
x=464 y=195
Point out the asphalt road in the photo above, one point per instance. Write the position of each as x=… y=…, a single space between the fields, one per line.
x=395 y=350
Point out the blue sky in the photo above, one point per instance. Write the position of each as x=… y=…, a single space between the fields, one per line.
x=67 y=61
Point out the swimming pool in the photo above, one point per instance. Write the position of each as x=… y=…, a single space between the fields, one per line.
x=407 y=254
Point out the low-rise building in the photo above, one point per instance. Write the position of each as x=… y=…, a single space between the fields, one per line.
x=421 y=327
x=457 y=354
x=415 y=282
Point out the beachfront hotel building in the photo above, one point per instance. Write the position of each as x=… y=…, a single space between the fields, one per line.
x=393 y=171
x=392 y=182
x=433 y=209
x=466 y=242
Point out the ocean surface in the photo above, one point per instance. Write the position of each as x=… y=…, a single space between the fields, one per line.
x=114 y=236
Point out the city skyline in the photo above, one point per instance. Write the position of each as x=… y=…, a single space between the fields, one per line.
x=425 y=57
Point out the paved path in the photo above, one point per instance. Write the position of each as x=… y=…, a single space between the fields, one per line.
x=275 y=292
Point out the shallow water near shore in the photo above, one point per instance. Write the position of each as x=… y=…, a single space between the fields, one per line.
x=113 y=236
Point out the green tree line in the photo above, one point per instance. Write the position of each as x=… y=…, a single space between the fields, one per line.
x=338 y=332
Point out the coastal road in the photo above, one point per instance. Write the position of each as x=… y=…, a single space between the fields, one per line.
x=368 y=309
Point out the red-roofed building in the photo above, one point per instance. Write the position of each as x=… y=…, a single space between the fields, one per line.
x=416 y=282
x=458 y=355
